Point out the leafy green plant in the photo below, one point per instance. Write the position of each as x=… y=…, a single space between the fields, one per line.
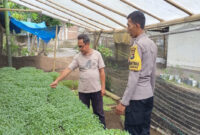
x=122 y=117
x=166 y=71
x=54 y=75
x=72 y=84
x=35 y=17
x=69 y=25
x=14 y=49
x=191 y=76
x=25 y=51
x=115 y=66
x=107 y=103
x=30 y=106
x=108 y=82
x=106 y=52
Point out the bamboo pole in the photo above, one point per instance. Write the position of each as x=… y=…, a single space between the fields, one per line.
x=110 y=18
x=51 y=12
x=175 y=21
x=113 y=96
x=54 y=60
x=1 y=39
x=134 y=6
x=164 y=24
x=96 y=42
x=53 y=2
x=108 y=8
x=59 y=18
x=65 y=31
x=7 y=25
x=178 y=31
x=179 y=7
x=165 y=50
x=60 y=9
x=20 y=10
x=95 y=37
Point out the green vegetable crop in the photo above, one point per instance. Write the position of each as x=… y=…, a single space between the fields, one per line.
x=28 y=106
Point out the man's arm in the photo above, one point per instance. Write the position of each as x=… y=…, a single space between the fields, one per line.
x=102 y=77
x=131 y=85
x=130 y=89
x=65 y=73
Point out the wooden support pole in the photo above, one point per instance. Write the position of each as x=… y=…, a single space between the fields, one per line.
x=94 y=41
x=60 y=9
x=113 y=96
x=54 y=60
x=7 y=25
x=117 y=51
x=164 y=24
x=108 y=8
x=65 y=31
x=51 y=12
x=179 y=7
x=134 y=6
x=165 y=49
x=110 y=18
x=97 y=41
x=1 y=39
x=19 y=10
x=67 y=9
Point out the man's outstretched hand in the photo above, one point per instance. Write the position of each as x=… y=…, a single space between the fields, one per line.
x=54 y=84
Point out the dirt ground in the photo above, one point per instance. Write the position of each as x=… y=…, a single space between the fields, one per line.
x=113 y=121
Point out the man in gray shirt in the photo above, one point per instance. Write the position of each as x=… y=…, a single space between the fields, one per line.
x=137 y=101
x=92 y=76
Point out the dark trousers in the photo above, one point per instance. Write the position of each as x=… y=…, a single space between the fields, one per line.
x=97 y=104
x=138 y=116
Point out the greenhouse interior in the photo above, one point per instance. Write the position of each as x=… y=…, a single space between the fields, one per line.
x=39 y=42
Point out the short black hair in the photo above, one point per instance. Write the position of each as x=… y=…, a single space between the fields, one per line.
x=137 y=17
x=84 y=37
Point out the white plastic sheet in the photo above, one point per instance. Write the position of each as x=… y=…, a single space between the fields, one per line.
x=159 y=8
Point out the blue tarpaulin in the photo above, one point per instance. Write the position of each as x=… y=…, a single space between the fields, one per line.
x=12 y=26
x=29 y=24
x=38 y=29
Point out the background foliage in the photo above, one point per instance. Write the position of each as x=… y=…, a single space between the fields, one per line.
x=35 y=17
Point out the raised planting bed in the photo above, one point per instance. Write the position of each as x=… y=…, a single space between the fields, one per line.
x=29 y=106
x=110 y=100
x=176 y=108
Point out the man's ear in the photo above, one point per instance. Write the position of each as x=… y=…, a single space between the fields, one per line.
x=137 y=25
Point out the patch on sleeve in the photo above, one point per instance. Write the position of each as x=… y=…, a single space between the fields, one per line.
x=135 y=63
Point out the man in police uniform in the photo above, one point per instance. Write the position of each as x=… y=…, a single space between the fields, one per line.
x=137 y=101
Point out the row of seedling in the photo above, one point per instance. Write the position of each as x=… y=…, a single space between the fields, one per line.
x=181 y=80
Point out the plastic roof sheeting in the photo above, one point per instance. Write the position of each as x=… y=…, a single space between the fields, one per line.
x=89 y=15
x=160 y=8
x=85 y=11
x=192 y=5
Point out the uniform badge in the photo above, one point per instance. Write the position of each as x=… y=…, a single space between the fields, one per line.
x=132 y=52
x=135 y=63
